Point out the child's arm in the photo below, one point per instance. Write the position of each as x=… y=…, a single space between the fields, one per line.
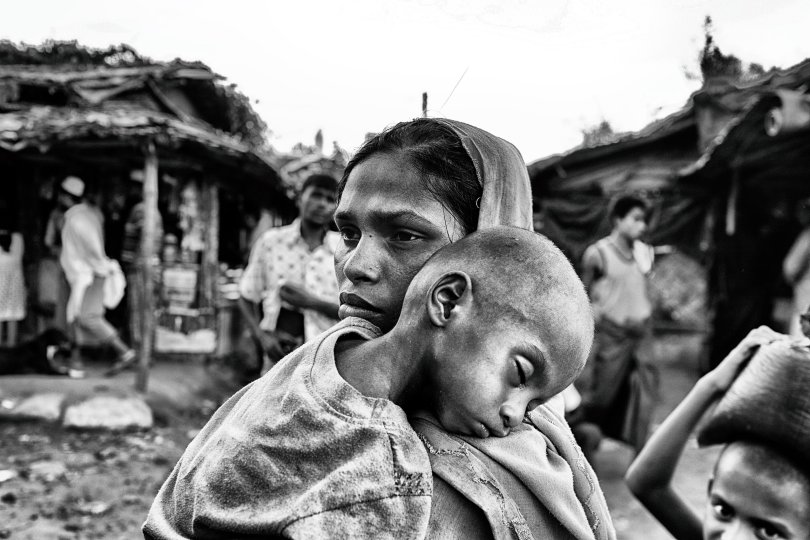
x=591 y=266
x=650 y=475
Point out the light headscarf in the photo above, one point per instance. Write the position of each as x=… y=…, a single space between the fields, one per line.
x=502 y=173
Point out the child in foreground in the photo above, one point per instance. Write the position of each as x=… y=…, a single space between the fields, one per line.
x=760 y=487
x=321 y=445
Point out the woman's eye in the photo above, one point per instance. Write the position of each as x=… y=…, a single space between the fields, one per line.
x=404 y=236
x=520 y=372
x=722 y=511
x=768 y=532
x=349 y=235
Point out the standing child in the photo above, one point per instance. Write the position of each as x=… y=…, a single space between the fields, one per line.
x=618 y=391
x=760 y=486
x=12 y=285
x=796 y=269
x=320 y=446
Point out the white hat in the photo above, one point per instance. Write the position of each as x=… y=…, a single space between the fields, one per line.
x=73 y=186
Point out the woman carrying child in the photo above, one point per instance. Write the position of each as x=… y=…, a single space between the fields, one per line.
x=407 y=192
x=760 y=487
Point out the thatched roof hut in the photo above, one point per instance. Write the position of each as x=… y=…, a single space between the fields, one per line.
x=723 y=174
x=120 y=121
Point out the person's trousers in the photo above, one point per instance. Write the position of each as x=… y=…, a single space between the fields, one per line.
x=90 y=326
x=620 y=391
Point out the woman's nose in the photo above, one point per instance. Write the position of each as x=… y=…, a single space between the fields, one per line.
x=361 y=264
x=737 y=530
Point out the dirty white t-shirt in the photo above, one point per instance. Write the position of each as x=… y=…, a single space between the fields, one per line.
x=300 y=453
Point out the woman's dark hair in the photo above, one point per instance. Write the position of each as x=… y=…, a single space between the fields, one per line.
x=436 y=151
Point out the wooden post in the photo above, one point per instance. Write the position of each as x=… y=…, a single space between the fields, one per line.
x=733 y=200
x=150 y=213
x=210 y=259
x=424 y=104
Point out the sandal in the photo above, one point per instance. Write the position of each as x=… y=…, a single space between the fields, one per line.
x=126 y=361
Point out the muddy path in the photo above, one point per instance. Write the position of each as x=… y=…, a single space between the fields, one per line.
x=62 y=484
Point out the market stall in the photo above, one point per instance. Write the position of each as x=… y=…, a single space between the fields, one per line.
x=162 y=137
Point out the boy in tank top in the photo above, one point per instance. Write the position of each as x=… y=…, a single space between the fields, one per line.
x=617 y=394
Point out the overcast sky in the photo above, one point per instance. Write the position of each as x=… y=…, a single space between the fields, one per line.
x=535 y=72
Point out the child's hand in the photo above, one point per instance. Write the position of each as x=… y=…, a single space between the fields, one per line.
x=723 y=375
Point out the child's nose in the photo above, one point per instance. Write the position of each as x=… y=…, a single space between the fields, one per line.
x=510 y=416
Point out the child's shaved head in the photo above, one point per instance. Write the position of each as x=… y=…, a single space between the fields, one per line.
x=767 y=462
x=523 y=277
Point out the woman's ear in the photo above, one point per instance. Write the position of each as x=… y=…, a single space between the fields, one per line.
x=448 y=292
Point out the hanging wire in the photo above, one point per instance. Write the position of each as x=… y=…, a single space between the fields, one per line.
x=454 y=88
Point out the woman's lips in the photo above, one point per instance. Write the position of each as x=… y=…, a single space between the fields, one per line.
x=352 y=305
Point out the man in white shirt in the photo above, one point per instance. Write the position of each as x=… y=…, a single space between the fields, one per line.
x=96 y=282
x=291 y=274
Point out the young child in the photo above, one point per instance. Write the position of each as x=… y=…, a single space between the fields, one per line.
x=321 y=447
x=618 y=388
x=760 y=486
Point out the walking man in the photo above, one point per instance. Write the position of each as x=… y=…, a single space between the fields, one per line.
x=619 y=392
x=291 y=274
x=96 y=282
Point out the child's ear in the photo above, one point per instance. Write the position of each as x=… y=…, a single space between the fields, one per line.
x=446 y=295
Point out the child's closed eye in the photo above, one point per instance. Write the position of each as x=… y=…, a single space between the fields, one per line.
x=521 y=373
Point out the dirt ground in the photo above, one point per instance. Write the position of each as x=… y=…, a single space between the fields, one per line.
x=72 y=485
x=58 y=484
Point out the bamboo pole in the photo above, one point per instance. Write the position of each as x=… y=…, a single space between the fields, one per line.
x=147 y=255
x=211 y=256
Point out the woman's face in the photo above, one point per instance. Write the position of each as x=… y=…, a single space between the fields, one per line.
x=390 y=227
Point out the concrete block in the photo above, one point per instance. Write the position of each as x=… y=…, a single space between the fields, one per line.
x=109 y=413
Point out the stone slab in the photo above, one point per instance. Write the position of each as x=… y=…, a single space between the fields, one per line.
x=46 y=406
x=109 y=413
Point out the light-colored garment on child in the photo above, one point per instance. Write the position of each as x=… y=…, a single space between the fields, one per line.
x=620 y=294
x=796 y=269
x=300 y=453
x=527 y=486
x=12 y=284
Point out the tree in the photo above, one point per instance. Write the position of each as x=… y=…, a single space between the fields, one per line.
x=601 y=133
x=713 y=63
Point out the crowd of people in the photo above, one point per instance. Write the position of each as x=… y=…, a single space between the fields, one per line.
x=472 y=373
x=436 y=369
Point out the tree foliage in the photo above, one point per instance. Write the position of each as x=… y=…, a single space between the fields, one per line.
x=243 y=120
x=601 y=133
x=713 y=63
